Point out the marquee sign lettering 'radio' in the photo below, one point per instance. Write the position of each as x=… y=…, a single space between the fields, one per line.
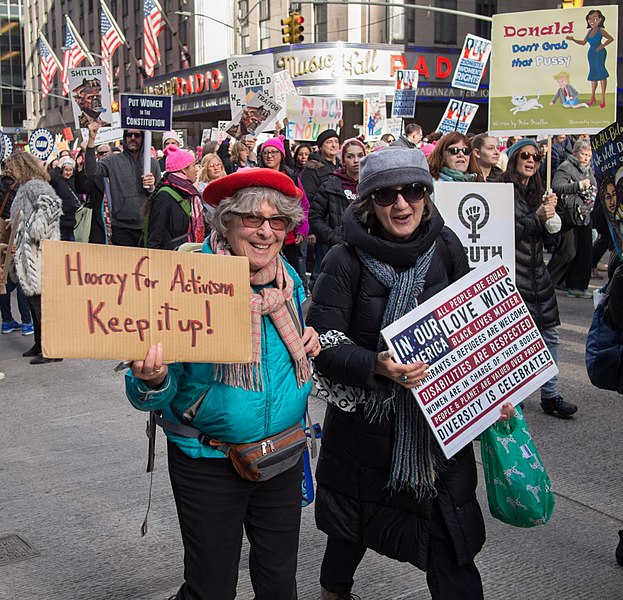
x=483 y=350
x=111 y=302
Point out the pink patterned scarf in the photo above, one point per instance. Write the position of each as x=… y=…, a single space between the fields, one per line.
x=271 y=301
x=180 y=181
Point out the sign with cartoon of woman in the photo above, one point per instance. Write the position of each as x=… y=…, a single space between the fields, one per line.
x=554 y=71
x=607 y=149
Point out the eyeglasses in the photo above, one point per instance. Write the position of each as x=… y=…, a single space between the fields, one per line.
x=270 y=152
x=526 y=155
x=455 y=150
x=277 y=223
x=102 y=153
x=412 y=193
x=134 y=134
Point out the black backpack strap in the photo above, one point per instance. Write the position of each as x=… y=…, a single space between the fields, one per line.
x=444 y=254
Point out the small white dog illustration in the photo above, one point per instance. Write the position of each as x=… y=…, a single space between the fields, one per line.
x=522 y=104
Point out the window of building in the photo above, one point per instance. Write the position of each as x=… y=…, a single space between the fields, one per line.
x=486 y=8
x=264 y=10
x=401 y=24
x=445 y=24
x=243 y=19
x=320 y=23
x=265 y=35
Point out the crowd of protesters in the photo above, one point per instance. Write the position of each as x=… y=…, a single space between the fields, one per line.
x=355 y=226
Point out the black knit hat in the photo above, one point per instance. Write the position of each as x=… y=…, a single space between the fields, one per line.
x=326 y=135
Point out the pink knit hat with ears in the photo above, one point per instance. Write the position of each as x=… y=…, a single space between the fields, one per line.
x=276 y=142
x=177 y=159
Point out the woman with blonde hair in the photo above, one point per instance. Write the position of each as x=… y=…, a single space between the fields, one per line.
x=240 y=156
x=211 y=168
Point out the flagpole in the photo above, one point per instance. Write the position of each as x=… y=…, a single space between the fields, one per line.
x=166 y=20
x=52 y=53
x=79 y=39
x=113 y=22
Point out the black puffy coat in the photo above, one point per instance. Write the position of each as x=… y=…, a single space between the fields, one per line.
x=315 y=173
x=66 y=191
x=532 y=277
x=353 y=501
x=169 y=225
x=325 y=212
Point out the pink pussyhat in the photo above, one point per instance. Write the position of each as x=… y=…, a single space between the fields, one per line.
x=177 y=159
x=276 y=142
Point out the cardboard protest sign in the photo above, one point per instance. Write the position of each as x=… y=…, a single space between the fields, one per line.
x=548 y=70
x=90 y=97
x=146 y=112
x=374 y=115
x=122 y=300
x=607 y=150
x=458 y=116
x=252 y=90
x=405 y=93
x=309 y=116
x=471 y=64
x=483 y=349
x=483 y=217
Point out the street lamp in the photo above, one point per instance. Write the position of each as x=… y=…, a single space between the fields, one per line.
x=186 y=13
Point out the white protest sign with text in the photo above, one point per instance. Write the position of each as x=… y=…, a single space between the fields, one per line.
x=472 y=63
x=90 y=96
x=458 y=116
x=483 y=349
x=483 y=217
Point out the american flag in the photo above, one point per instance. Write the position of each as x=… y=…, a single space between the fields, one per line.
x=110 y=42
x=72 y=57
x=153 y=24
x=49 y=66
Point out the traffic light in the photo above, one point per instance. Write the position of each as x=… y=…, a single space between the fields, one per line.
x=296 y=28
x=292 y=29
x=114 y=106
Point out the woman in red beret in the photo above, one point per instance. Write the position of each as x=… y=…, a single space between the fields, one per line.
x=239 y=403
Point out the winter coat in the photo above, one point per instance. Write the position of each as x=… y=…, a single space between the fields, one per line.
x=41 y=214
x=169 y=225
x=566 y=183
x=224 y=412
x=532 y=277
x=403 y=142
x=317 y=170
x=325 y=212
x=303 y=227
x=126 y=189
x=66 y=191
x=8 y=189
x=353 y=500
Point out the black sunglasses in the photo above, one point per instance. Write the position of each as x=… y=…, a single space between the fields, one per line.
x=412 y=193
x=134 y=135
x=454 y=151
x=277 y=223
x=526 y=155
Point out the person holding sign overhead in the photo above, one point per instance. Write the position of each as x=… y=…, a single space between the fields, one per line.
x=210 y=406
x=533 y=208
x=383 y=482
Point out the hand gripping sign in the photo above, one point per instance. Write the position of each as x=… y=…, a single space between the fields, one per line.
x=483 y=350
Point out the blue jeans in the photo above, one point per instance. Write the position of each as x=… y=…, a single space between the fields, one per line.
x=551 y=338
x=22 y=303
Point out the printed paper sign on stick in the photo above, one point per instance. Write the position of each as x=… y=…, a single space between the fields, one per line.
x=483 y=217
x=90 y=97
x=549 y=68
x=458 y=116
x=483 y=349
x=472 y=62
x=405 y=94
x=122 y=300
x=374 y=115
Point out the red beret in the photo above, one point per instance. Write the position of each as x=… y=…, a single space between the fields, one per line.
x=227 y=186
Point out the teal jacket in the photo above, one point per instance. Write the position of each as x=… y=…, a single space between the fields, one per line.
x=223 y=412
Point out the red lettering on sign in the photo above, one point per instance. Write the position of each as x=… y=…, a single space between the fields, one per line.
x=444 y=67
x=422 y=67
x=397 y=62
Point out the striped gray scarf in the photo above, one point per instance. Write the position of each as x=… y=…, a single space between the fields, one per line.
x=414 y=463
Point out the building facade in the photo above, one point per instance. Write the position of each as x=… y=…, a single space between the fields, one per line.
x=12 y=85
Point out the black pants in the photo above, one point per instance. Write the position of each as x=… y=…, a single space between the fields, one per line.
x=562 y=257
x=214 y=504
x=34 y=303
x=127 y=237
x=578 y=273
x=602 y=243
x=294 y=255
x=445 y=578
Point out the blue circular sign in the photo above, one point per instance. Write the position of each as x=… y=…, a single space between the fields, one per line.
x=41 y=142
